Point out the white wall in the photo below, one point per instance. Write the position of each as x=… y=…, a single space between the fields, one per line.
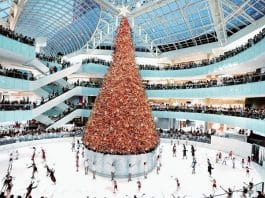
x=238 y=147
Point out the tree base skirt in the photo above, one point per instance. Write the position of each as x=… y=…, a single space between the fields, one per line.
x=104 y=161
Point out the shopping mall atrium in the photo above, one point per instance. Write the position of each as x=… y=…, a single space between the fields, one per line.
x=132 y=98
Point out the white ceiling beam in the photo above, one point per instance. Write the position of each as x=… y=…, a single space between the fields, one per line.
x=149 y=7
x=218 y=19
x=107 y=6
x=240 y=10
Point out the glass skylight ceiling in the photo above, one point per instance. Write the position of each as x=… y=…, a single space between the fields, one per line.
x=67 y=24
x=168 y=24
x=4 y=9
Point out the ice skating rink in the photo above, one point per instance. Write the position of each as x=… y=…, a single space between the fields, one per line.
x=73 y=184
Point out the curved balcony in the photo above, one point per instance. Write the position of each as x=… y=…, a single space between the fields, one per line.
x=17 y=50
x=241 y=90
x=252 y=56
x=246 y=123
x=27 y=85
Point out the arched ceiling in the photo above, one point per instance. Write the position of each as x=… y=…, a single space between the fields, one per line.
x=161 y=25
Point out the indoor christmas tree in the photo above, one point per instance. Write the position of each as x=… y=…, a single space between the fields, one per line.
x=121 y=121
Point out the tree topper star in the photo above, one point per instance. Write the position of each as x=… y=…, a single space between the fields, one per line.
x=124 y=10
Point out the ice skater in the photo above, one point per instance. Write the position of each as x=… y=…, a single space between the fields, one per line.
x=243 y=163
x=52 y=176
x=224 y=160
x=158 y=164
x=177 y=183
x=192 y=151
x=210 y=168
x=184 y=152
x=231 y=154
x=77 y=161
x=83 y=152
x=34 y=169
x=193 y=165
x=250 y=186
x=248 y=161
x=7 y=185
x=174 y=149
x=112 y=171
x=43 y=155
x=30 y=188
x=17 y=155
x=234 y=162
x=94 y=169
x=229 y=192
x=10 y=162
x=73 y=144
x=145 y=170
x=115 y=186
x=247 y=171
x=130 y=172
x=33 y=154
x=86 y=166
x=214 y=185
x=139 y=185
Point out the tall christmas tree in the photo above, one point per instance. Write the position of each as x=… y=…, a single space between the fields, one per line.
x=121 y=120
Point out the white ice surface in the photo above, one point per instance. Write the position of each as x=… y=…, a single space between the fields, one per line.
x=78 y=185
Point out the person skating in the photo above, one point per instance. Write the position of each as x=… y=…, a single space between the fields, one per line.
x=112 y=171
x=48 y=170
x=94 y=169
x=43 y=155
x=30 y=188
x=214 y=185
x=139 y=185
x=224 y=160
x=52 y=176
x=158 y=164
x=193 y=165
x=73 y=144
x=86 y=166
x=145 y=170
x=192 y=151
x=10 y=162
x=130 y=172
x=34 y=169
x=243 y=163
x=33 y=154
x=210 y=168
x=184 y=152
x=174 y=149
x=7 y=185
x=17 y=155
x=115 y=186
x=177 y=183
x=77 y=161
x=229 y=192
x=234 y=162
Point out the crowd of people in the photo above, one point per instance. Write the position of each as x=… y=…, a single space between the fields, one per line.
x=23 y=104
x=191 y=64
x=18 y=37
x=15 y=73
x=192 y=135
x=225 y=81
x=96 y=61
x=220 y=110
x=206 y=62
x=49 y=58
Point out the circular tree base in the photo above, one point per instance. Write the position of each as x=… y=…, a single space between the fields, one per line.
x=103 y=163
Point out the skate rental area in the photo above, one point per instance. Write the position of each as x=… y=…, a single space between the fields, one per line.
x=132 y=99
